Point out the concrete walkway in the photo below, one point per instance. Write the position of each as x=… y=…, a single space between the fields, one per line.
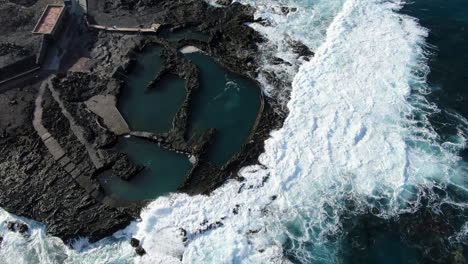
x=105 y=107
x=57 y=151
x=60 y=156
x=153 y=29
x=76 y=129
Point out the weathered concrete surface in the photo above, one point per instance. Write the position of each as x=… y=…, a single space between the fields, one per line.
x=77 y=130
x=105 y=107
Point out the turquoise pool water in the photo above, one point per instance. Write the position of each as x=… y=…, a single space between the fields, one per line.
x=225 y=101
x=164 y=171
x=150 y=110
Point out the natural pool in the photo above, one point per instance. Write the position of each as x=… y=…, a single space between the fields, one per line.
x=225 y=101
x=164 y=171
x=150 y=110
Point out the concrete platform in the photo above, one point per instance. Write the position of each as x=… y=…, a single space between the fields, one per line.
x=105 y=107
x=54 y=148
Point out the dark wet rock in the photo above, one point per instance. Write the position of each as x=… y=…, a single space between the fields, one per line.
x=1 y=241
x=124 y=168
x=251 y=232
x=300 y=49
x=224 y=2
x=263 y=21
x=23 y=228
x=140 y=251
x=134 y=242
x=235 y=210
x=79 y=87
x=11 y=226
x=274 y=197
x=278 y=61
x=183 y=233
x=210 y=227
x=285 y=10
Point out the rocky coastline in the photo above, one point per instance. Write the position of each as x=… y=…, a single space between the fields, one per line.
x=34 y=183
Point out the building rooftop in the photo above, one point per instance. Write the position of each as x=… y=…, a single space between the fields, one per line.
x=49 y=19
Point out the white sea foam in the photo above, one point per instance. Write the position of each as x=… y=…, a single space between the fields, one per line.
x=189 y=49
x=357 y=131
x=350 y=135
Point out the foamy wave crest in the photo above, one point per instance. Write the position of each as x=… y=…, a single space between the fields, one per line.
x=357 y=137
x=285 y=22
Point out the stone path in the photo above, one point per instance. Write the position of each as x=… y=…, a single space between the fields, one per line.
x=57 y=151
x=105 y=107
x=73 y=170
x=153 y=29
x=160 y=140
x=76 y=129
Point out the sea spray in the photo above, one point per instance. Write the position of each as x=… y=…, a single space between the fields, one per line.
x=351 y=135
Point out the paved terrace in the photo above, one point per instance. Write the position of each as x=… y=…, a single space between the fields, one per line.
x=105 y=107
x=49 y=19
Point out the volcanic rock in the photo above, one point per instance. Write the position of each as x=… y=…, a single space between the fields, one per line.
x=224 y=2
x=134 y=242
x=140 y=251
x=125 y=169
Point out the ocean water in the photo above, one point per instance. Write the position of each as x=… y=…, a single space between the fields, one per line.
x=360 y=154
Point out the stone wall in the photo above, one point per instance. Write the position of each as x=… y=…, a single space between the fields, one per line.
x=18 y=67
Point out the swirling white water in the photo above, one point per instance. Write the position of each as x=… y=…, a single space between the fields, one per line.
x=357 y=132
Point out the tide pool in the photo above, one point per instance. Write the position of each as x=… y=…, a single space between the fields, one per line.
x=164 y=171
x=150 y=110
x=225 y=101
